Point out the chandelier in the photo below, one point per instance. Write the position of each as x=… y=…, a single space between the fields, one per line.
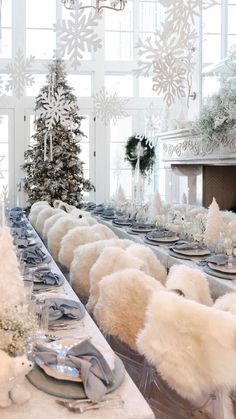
x=116 y=5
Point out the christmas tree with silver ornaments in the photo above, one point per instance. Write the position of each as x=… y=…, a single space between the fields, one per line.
x=52 y=164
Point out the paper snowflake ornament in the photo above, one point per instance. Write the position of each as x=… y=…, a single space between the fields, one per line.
x=4 y=194
x=55 y=108
x=77 y=35
x=109 y=106
x=1 y=159
x=20 y=74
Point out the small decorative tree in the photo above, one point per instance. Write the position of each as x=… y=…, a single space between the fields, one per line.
x=214 y=225
x=52 y=164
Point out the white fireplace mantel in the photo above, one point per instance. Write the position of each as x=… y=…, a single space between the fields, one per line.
x=183 y=147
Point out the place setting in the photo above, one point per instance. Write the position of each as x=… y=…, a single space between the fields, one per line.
x=140 y=228
x=160 y=236
x=221 y=266
x=33 y=257
x=188 y=250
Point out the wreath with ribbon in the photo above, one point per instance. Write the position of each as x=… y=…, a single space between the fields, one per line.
x=146 y=158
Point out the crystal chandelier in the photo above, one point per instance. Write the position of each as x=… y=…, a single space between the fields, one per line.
x=116 y=5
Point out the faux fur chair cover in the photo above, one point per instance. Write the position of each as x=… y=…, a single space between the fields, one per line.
x=58 y=231
x=192 y=282
x=50 y=222
x=227 y=302
x=192 y=346
x=35 y=211
x=43 y=216
x=84 y=258
x=123 y=298
x=154 y=266
x=111 y=260
x=81 y=235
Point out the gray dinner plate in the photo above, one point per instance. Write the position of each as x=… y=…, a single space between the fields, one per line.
x=222 y=275
x=69 y=389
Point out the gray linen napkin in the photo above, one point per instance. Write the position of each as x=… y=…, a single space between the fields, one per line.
x=34 y=256
x=219 y=260
x=47 y=277
x=63 y=307
x=95 y=372
x=184 y=245
x=160 y=234
x=21 y=232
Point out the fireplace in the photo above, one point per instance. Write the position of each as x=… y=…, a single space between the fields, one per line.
x=201 y=175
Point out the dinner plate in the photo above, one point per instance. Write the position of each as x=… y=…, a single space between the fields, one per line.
x=222 y=268
x=192 y=252
x=222 y=275
x=122 y=223
x=70 y=389
x=141 y=230
x=163 y=239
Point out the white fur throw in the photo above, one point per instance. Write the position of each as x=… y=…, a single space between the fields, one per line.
x=81 y=235
x=78 y=212
x=123 y=298
x=227 y=302
x=111 y=260
x=191 y=345
x=39 y=203
x=154 y=266
x=35 y=211
x=50 y=222
x=43 y=216
x=192 y=282
x=84 y=258
x=58 y=231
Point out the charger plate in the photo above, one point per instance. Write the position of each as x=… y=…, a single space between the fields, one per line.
x=222 y=268
x=69 y=389
x=122 y=223
x=178 y=255
x=162 y=239
x=192 y=252
x=209 y=271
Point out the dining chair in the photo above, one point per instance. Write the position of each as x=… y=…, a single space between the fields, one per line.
x=46 y=213
x=84 y=258
x=193 y=349
x=226 y=302
x=50 y=222
x=35 y=211
x=191 y=282
x=81 y=235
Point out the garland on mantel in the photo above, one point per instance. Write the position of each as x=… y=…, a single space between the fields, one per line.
x=146 y=156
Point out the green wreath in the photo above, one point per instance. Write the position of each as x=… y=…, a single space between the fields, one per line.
x=147 y=160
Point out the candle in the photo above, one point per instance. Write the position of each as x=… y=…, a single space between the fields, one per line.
x=187 y=202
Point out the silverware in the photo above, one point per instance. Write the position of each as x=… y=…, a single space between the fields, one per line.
x=82 y=405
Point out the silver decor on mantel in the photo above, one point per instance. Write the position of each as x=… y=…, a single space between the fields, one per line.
x=117 y=5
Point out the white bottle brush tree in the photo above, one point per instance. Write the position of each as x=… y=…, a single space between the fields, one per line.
x=52 y=164
x=214 y=225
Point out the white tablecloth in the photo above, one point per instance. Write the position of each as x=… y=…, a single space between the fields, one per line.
x=42 y=405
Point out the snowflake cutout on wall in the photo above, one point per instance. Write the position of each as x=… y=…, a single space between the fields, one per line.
x=108 y=106
x=1 y=159
x=55 y=109
x=77 y=35
x=20 y=74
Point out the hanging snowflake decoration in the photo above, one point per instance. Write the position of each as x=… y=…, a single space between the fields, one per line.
x=55 y=108
x=1 y=159
x=108 y=106
x=78 y=35
x=182 y=13
x=20 y=74
x=152 y=122
x=4 y=194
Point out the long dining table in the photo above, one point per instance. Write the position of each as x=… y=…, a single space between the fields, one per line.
x=218 y=286
x=43 y=405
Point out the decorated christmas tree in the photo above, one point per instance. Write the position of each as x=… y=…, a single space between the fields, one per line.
x=52 y=164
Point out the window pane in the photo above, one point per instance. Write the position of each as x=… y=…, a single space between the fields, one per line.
x=149 y=16
x=85 y=129
x=211 y=48
x=118 y=46
x=124 y=179
x=44 y=48
x=4 y=78
x=6 y=43
x=122 y=85
x=40 y=81
x=121 y=130
x=6 y=13
x=4 y=129
x=231 y=41
x=84 y=155
x=81 y=84
x=40 y=14
x=210 y=85
x=118 y=162
x=122 y=21
x=145 y=87
x=231 y=19
x=212 y=19
x=4 y=152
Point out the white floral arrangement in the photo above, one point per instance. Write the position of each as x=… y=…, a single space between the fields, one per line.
x=17 y=328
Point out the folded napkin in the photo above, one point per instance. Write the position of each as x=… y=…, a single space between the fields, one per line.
x=47 y=277
x=219 y=260
x=184 y=245
x=122 y=220
x=160 y=234
x=18 y=223
x=94 y=370
x=21 y=243
x=63 y=307
x=108 y=212
x=34 y=256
